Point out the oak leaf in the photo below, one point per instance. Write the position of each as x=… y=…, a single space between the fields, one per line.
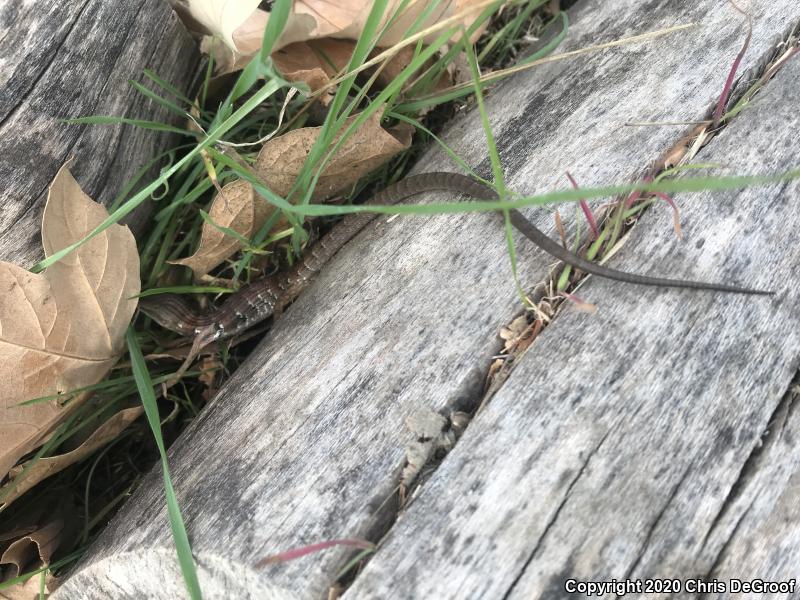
x=64 y=328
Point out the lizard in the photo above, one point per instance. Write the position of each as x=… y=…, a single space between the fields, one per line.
x=268 y=296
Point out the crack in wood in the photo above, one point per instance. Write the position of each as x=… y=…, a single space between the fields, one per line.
x=555 y=515
x=656 y=521
x=384 y=525
x=755 y=460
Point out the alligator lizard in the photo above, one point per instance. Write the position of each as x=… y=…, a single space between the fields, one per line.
x=269 y=296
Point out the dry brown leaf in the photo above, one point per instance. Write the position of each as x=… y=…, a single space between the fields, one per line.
x=6 y=537
x=322 y=22
x=45 y=467
x=519 y=334
x=513 y=331
x=398 y=31
x=390 y=69
x=222 y=17
x=298 y=62
x=345 y=19
x=33 y=550
x=38 y=531
x=314 y=62
x=370 y=146
x=494 y=369
x=238 y=208
x=28 y=539
x=211 y=369
x=64 y=328
x=456 y=72
x=225 y=61
x=30 y=589
x=249 y=35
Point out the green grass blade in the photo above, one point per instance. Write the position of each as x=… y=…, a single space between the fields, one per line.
x=249 y=175
x=334 y=120
x=450 y=152
x=108 y=120
x=262 y=65
x=694 y=184
x=209 y=73
x=170 y=106
x=379 y=100
x=102 y=385
x=52 y=443
x=246 y=80
x=509 y=32
x=465 y=88
x=184 y=197
x=141 y=172
x=497 y=167
x=275 y=25
x=166 y=86
x=265 y=92
x=145 y=386
x=224 y=230
x=54 y=565
x=425 y=82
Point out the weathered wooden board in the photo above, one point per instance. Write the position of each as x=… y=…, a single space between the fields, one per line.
x=658 y=440
x=60 y=60
x=306 y=442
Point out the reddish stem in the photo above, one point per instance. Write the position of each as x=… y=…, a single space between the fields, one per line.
x=586 y=210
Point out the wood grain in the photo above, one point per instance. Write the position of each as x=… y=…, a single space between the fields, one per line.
x=306 y=442
x=659 y=440
x=61 y=60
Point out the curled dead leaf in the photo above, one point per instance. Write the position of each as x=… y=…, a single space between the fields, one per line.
x=278 y=164
x=64 y=328
x=28 y=539
x=33 y=550
x=370 y=146
x=238 y=208
x=519 y=334
x=317 y=62
x=45 y=467
x=314 y=62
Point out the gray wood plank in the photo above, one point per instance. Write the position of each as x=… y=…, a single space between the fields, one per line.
x=306 y=442
x=60 y=60
x=658 y=440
